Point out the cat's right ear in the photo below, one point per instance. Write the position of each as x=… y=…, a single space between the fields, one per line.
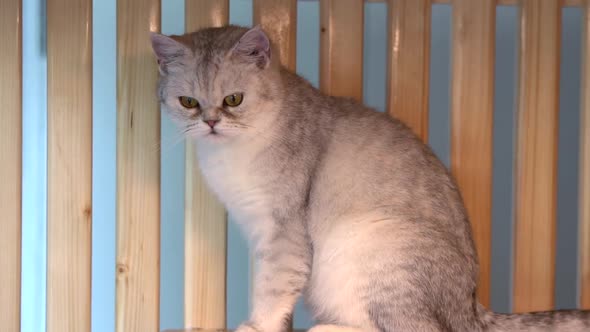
x=167 y=50
x=253 y=47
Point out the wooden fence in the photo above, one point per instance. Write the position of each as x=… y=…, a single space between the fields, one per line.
x=69 y=214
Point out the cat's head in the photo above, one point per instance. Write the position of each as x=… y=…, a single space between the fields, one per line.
x=217 y=83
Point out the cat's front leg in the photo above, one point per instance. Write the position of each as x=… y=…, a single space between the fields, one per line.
x=282 y=271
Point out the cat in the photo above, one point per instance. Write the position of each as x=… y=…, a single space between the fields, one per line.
x=341 y=203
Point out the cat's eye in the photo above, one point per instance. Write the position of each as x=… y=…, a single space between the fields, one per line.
x=233 y=100
x=188 y=102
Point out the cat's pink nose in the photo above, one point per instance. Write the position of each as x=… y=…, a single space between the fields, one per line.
x=211 y=123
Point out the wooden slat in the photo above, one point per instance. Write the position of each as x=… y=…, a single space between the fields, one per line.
x=69 y=162
x=409 y=62
x=138 y=169
x=472 y=121
x=279 y=19
x=341 y=48
x=566 y=3
x=584 y=248
x=536 y=156
x=205 y=218
x=10 y=168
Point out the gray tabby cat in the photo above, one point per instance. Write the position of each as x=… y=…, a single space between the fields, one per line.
x=340 y=202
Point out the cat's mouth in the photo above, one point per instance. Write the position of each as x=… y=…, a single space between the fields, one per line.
x=214 y=136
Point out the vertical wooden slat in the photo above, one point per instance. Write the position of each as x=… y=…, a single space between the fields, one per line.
x=409 y=63
x=584 y=198
x=536 y=156
x=341 y=48
x=138 y=168
x=279 y=19
x=472 y=121
x=69 y=162
x=10 y=168
x=205 y=218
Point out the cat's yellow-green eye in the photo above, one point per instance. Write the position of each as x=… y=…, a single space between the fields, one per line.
x=188 y=102
x=233 y=100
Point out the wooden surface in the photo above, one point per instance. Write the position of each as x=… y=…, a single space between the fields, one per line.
x=409 y=62
x=567 y=3
x=10 y=168
x=205 y=218
x=341 y=48
x=279 y=19
x=584 y=199
x=205 y=13
x=536 y=164
x=69 y=162
x=472 y=100
x=138 y=169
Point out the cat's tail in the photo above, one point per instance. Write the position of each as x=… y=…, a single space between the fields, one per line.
x=559 y=320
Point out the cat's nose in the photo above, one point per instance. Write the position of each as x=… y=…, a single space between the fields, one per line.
x=211 y=123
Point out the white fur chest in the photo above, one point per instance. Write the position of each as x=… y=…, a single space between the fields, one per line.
x=232 y=176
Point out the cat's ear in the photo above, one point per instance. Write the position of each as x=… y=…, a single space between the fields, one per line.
x=167 y=50
x=253 y=47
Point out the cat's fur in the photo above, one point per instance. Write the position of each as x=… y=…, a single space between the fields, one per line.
x=340 y=202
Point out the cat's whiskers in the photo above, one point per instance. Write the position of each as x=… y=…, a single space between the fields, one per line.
x=166 y=144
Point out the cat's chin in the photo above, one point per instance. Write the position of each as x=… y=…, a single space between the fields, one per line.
x=213 y=138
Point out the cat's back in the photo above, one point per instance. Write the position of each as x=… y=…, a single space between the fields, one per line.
x=372 y=160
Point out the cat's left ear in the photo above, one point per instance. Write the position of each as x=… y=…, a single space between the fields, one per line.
x=167 y=50
x=253 y=47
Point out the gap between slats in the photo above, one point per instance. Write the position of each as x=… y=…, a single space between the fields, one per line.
x=584 y=181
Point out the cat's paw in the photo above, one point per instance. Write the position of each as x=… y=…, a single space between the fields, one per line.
x=247 y=327
x=332 y=328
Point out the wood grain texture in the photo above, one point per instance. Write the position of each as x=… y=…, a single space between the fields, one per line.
x=205 y=218
x=138 y=169
x=279 y=19
x=566 y=3
x=536 y=156
x=341 y=48
x=69 y=162
x=11 y=166
x=205 y=13
x=472 y=104
x=584 y=183
x=409 y=62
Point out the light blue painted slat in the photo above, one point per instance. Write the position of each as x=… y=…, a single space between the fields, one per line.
x=308 y=41
x=566 y=273
x=104 y=149
x=238 y=277
x=504 y=127
x=375 y=55
x=172 y=183
x=440 y=75
x=240 y=12
x=238 y=264
x=34 y=200
x=308 y=62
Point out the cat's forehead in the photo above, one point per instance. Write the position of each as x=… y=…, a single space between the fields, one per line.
x=212 y=41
